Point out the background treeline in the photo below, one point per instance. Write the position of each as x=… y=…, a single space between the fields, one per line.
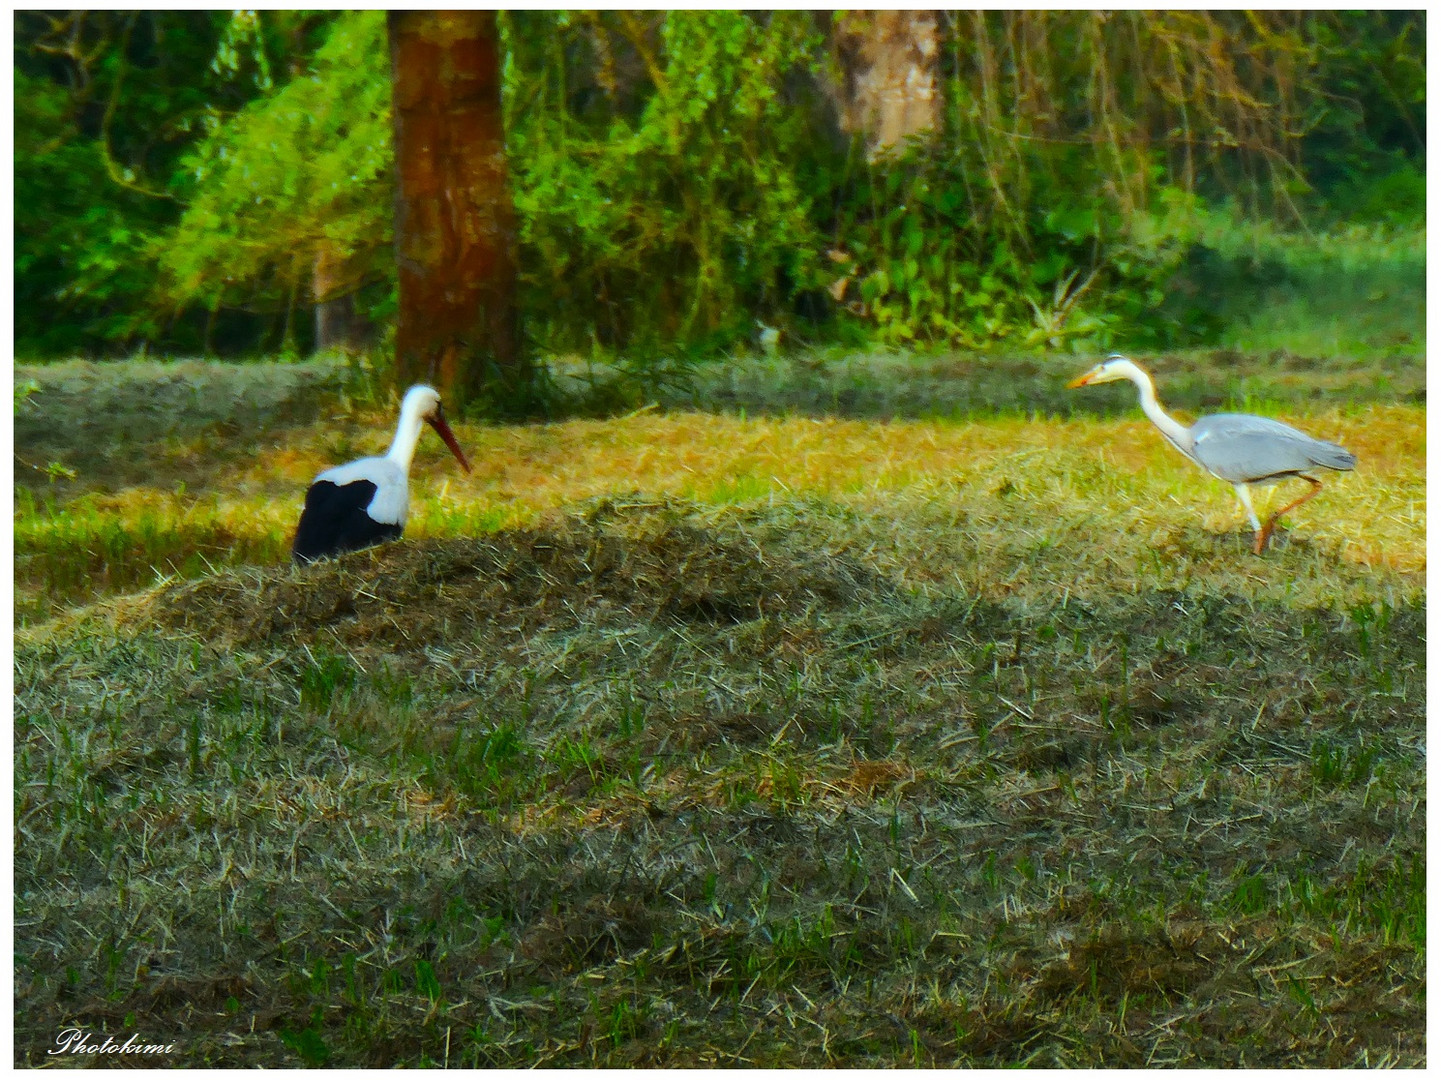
x=219 y=183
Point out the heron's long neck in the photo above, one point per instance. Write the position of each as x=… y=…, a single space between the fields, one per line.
x=407 y=434
x=1176 y=433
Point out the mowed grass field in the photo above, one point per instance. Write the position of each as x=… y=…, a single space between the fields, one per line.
x=687 y=739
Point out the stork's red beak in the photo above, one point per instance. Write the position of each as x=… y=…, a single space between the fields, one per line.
x=443 y=430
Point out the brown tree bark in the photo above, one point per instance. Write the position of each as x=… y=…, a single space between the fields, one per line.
x=454 y=220
x=888 y=60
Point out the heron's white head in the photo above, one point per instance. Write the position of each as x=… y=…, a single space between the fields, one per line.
x=423 y=403
x=1112 y=368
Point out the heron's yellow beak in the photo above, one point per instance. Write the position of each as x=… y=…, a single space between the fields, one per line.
x=1080 y=380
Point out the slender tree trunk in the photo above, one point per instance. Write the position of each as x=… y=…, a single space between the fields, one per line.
x=206 y=349
x=454 y=221
x=338 y=324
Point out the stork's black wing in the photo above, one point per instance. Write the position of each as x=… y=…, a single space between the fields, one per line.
x=334 y=521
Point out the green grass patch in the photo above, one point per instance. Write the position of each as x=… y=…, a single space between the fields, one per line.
x=1355 y=290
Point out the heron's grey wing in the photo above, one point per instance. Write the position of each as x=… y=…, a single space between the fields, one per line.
x=1244 y=449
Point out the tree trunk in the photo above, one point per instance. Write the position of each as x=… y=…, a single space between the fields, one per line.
x=338 y=324
x=889 y=63
x=454 y=221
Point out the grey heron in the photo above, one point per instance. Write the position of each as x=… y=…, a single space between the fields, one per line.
x=1241 y=449
x=366 y=502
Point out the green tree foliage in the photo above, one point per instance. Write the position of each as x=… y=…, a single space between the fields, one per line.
x=1365 y=147
x=107 y=105
x=679 y=176
x=665 y=178
x=299 y=172
x=682 y=175
x=1033 y=217
x=102 y=100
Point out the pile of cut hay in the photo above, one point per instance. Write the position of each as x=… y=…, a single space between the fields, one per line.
x=614 y=562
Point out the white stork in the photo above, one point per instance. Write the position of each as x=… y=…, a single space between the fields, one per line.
x=365 y=502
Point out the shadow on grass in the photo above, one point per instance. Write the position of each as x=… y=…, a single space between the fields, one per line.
x=125 y=423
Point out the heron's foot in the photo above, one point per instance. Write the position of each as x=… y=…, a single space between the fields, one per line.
x=1268 y=530
x=1264 y=535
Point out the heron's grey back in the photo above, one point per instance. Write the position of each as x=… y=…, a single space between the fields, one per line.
x=1242 y=449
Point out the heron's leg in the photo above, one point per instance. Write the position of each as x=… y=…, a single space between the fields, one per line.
x=1244 y=494
x=1265 y=534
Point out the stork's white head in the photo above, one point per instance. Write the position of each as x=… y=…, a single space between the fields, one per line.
x=1112 y=368
x=423 y=403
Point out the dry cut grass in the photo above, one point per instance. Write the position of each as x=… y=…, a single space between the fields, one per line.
x=1110 y=492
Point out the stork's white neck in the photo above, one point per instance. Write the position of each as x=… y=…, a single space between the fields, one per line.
x=1178 y=434
x=407 y=434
